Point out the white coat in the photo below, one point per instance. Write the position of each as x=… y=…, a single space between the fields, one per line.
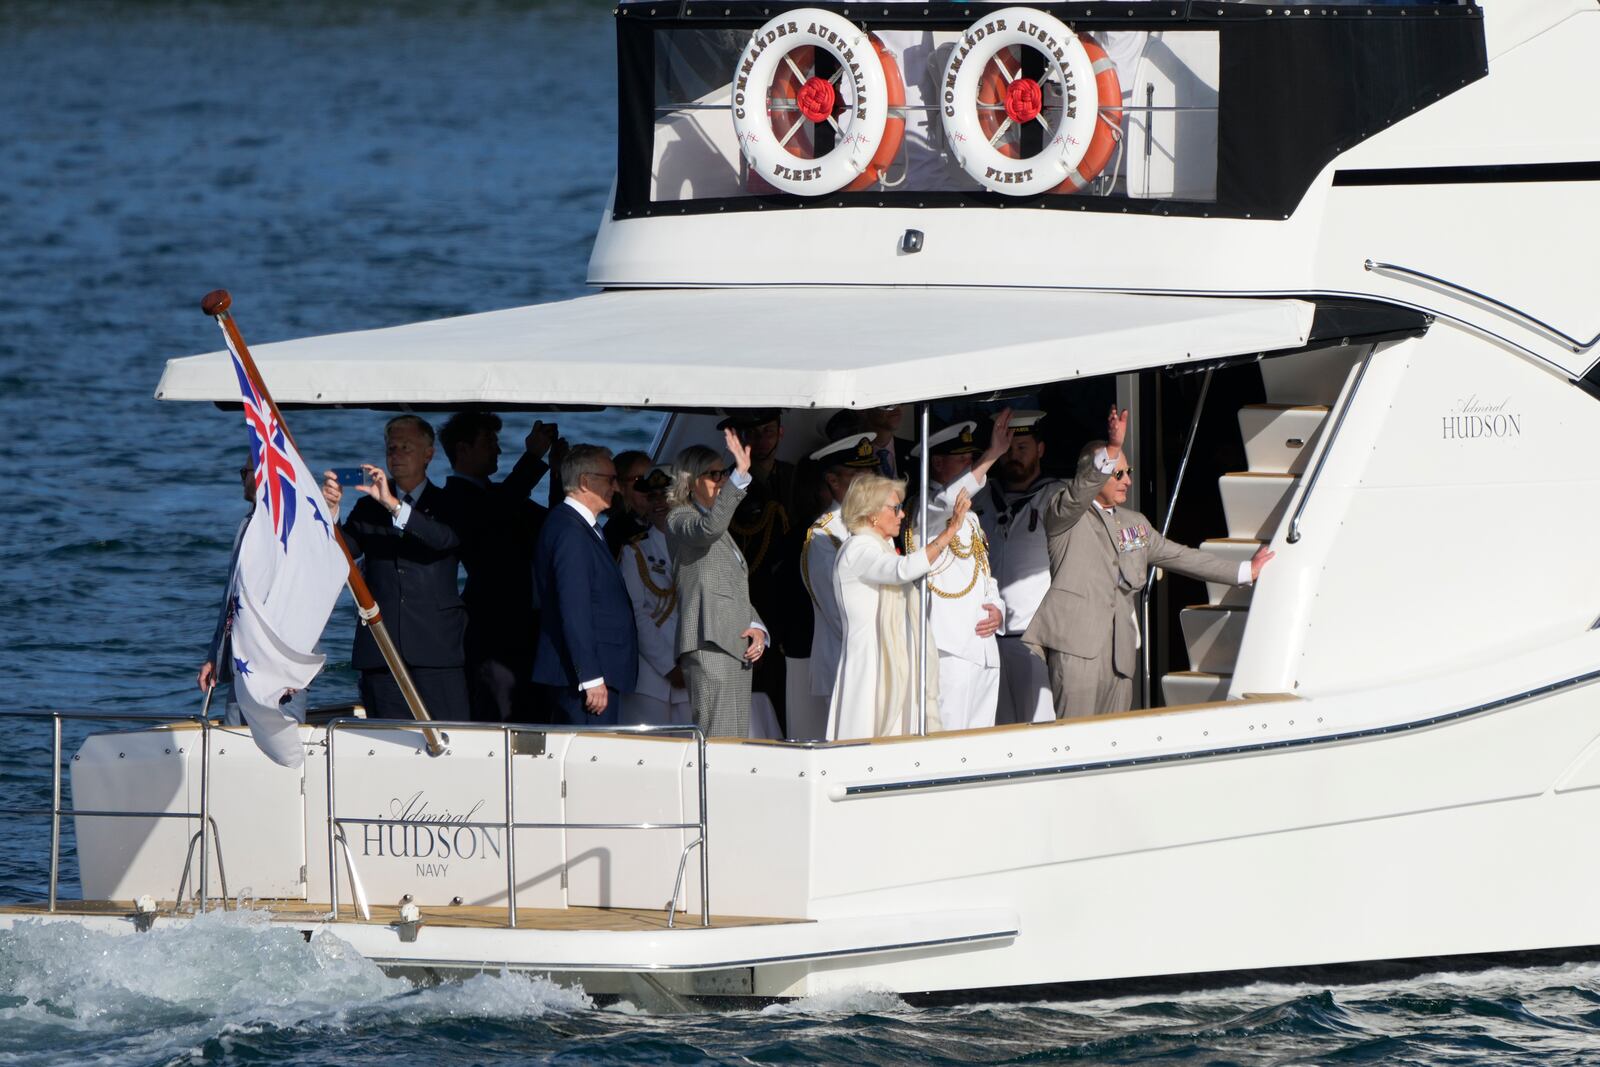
x=867 y=701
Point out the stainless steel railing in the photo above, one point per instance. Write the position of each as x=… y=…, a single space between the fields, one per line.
x=1293 y=536
x=510 y=823
x=1577 y=345
x=55 y=811
x=209 y=844
x=1146 y=685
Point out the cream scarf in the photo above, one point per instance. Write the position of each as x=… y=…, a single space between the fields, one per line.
x=897 y=675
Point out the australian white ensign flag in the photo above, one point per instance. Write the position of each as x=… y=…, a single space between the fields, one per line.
x=289 y=574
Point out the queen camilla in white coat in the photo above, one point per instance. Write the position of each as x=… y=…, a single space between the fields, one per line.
x=875 y=693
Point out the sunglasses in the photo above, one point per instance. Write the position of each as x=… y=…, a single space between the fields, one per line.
x=1125 y=473
x=717 y=476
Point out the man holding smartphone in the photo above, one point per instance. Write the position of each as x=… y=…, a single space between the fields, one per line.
x=405 y=534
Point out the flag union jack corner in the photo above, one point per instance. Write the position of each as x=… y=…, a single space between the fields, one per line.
x=290 y=571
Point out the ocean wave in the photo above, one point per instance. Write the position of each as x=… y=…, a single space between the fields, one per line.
x=234 y=965
x=222 y=982
x=852 y=1000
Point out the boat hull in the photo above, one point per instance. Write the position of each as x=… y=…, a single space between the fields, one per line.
x=1412 y=822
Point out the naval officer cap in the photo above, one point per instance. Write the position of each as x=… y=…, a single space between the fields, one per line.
x=852 y=451
x=745 y=421
x=1026 y=423
x=657 y=479
x=958 y=439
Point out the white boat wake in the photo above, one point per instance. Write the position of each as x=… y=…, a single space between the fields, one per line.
x=225 y=976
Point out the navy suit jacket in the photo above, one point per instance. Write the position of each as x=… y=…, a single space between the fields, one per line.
x=499 y=527
x=413 y=575
x=585 y=617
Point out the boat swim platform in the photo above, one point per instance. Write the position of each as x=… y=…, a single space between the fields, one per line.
x=448 y=916
x=724 y=957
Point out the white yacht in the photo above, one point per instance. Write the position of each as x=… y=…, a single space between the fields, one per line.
x=1339 y=262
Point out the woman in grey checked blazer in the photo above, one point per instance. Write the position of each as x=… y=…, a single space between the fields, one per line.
x=720 y=636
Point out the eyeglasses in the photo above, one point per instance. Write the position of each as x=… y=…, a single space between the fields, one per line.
x=602 y=477
x=899 y=508
x=719 y=476
x=1124 y=473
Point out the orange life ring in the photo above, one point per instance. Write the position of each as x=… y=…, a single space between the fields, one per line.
x=894 y=128
x=1108 y=131
x=992 y=90
x=786 y=85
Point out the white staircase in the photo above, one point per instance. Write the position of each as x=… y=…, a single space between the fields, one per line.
x=1278 y=440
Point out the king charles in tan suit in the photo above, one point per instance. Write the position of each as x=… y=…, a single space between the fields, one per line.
x=1100 y=558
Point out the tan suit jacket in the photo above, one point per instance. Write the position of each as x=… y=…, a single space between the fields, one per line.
x=1099 y=561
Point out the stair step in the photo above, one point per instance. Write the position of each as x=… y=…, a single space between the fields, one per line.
x=1213 y=634
x=1308 y=377
x=1278 y=438
x=1234 y=551
x=1255 y=503
x=1193 y=687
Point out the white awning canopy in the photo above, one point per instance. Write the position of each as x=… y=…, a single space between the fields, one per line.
x=737 y=348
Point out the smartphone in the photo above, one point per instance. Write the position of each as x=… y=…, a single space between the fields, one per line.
x=351 y=476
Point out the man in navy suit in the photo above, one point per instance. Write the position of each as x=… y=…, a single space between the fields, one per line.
x=499 y=526
x=406 y=535
x=588 y=653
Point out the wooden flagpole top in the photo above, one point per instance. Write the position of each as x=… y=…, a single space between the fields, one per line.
x=216 y=302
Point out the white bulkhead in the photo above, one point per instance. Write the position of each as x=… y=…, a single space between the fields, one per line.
x=1419 y=548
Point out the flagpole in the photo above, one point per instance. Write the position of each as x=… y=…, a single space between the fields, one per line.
x=216 y=304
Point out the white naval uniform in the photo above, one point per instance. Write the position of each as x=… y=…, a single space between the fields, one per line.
x=960 y=584
x=655 y=617
x=1019 y=559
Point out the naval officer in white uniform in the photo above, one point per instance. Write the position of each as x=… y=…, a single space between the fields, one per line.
x=841 y=461
x=661 y=695
x=1011 y=511
x=964 y=605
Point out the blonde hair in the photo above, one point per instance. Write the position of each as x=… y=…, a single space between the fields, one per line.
x=866 y=496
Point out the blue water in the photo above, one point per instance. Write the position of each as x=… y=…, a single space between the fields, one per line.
x=341 y=166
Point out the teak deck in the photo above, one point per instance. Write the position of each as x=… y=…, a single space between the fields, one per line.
x=460 y=915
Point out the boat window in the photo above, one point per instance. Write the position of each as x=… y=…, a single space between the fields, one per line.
x=1150 y=101
x=1214 y=110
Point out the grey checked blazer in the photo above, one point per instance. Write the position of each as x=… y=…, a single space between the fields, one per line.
x=713 y=582
x=1099 y=562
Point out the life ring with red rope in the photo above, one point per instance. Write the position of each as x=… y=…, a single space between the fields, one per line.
x=1020 y=99
x=988 y=93
x=805 y=71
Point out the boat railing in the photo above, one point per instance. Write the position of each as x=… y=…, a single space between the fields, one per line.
x=1417 y=277
x=510 y=824
x=1326 y=450
x=55 y=811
